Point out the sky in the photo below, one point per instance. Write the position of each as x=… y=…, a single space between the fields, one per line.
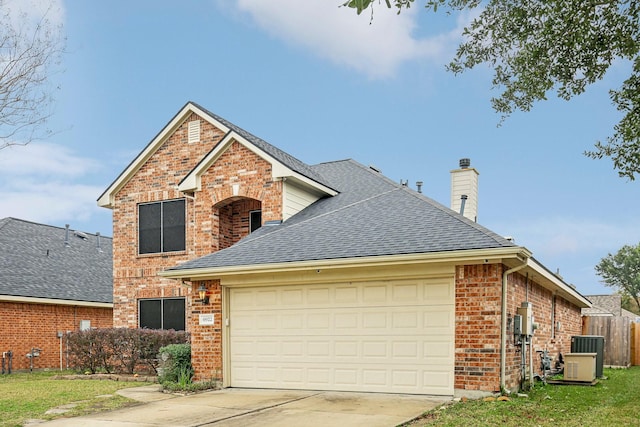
x=322 y=84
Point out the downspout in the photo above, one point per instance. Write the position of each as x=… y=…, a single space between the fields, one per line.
x=503 y=327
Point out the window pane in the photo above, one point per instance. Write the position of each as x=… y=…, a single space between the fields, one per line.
x=174 y=314
x=149 y=228
x=173 y=238
x=255 y=220
x=150 y=314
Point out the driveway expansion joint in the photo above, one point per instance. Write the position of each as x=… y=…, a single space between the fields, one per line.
x=253 y=411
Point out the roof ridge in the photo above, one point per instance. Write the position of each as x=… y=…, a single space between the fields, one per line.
x=7 y=220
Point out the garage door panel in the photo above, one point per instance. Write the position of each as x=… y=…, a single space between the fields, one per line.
x=434 y=292
x=380 y=337
x=403 y=320
x=347 y=378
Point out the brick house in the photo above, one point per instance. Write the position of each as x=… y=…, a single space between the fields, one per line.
x=328 y=277
x=52 y=280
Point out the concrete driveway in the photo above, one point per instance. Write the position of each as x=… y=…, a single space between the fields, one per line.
x=266 y=408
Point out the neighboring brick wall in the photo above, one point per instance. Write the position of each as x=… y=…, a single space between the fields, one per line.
x=478 y=325
x=24 y=326
x=237 y=182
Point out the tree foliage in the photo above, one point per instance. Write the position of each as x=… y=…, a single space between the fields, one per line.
x=537 y=47
x=29 y=52
x=622 y=271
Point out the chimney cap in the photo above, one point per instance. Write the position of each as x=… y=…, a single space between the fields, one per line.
x=465 y=163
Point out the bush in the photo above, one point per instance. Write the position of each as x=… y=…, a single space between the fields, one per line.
x=89 y=350
x=120 y=350
x=176 y=365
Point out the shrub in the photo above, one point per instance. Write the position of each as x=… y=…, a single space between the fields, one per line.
x=121 y=350
x=176 y=365
x=89 y=350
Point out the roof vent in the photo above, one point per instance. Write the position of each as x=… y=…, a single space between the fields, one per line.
x=66 y=234
x=80 y=234
x=465 y=163
x=193 y=131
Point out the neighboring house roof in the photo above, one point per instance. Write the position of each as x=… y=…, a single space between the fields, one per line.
x=371 y=216
x=42 y=263
x=607 y=305
x=289 y=163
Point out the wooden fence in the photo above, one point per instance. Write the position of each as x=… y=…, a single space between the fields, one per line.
x=617 y=338
x=635 y=344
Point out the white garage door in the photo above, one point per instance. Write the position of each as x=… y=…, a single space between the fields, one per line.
x=389 y=337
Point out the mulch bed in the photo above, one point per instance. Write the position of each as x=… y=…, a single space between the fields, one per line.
x=110 y=377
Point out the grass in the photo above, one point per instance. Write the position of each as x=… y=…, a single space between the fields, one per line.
x=611 y=402
x=26 y=396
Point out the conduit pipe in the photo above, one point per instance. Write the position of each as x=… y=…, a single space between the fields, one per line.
x=503 y=327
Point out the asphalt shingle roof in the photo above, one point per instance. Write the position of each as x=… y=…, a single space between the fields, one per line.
x=371 y=216
x=35 y=262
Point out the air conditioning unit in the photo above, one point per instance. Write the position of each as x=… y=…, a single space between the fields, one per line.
x=590 y=344
x=580 y=367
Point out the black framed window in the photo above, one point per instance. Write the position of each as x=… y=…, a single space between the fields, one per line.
x=161 y=227
x=162 y=313
x=255 y=220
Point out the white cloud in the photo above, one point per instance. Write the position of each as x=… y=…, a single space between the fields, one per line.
x=36 y=10
x=554 y=236
x=43 y=183
x=43 y=159
x=345 y=38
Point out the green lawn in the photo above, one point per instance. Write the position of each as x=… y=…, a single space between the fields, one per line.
x=25 y=396
x=614 y=401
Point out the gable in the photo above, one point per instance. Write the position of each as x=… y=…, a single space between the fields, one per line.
x=194 y=158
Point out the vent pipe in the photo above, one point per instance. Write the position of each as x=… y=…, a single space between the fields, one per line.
x=66 y=235
x=463 y=201
x=419 y=185
x=98 y=247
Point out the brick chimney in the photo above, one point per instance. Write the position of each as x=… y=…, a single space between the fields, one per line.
x=464 y=190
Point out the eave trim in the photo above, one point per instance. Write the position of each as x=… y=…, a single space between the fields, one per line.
x=52 y=301
x=192 y=182
x=487 y=256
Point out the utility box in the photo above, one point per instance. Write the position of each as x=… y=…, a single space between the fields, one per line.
x=590 y=344
x=526 y=313
x=580 y=367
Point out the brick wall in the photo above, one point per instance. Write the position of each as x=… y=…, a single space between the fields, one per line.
x=216 y=217
x=478 y=302
x=23 y=326
x=206 y=340
x=548 y=310
x=478 y=326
